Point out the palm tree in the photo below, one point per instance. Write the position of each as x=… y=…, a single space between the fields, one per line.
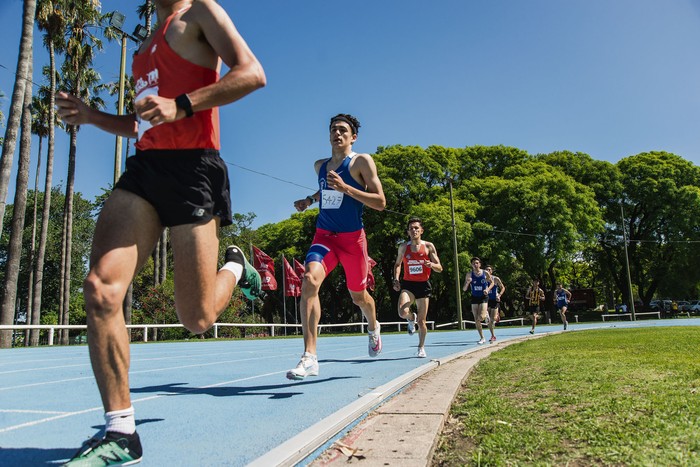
x=17 y=109
x=42 y=112
x=14 y=253
x=146 y=11
x=82 y=81
x=40 y=127
x=51 y=19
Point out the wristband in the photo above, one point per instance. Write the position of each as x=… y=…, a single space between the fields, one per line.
x=183 y=102
x=311 y=199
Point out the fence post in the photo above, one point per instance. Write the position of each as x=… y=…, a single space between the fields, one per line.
x=145 y=333
x=216 y=331
x=51 y=331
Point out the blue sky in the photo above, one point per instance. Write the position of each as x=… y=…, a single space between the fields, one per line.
x=611 y=78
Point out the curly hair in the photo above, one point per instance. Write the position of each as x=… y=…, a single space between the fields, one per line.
x=349 y=119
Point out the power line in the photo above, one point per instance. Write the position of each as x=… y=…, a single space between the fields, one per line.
x=293 y=183
x=507 y=232
x=15 y=75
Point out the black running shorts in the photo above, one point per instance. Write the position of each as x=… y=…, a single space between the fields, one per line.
x=479 y=300
x=185 y=186
x=533 y=309
x=419 y=289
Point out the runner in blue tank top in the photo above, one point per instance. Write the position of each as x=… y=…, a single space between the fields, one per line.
x=562 y=297
x=347 y=182
x=480 y=283
x=494 y=302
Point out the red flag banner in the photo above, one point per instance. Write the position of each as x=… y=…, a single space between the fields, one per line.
x=370 y=277
x=266 y=267
x=299 y=269
x=292 y=283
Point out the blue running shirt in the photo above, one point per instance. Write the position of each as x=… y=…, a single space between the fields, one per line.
x=339 y=212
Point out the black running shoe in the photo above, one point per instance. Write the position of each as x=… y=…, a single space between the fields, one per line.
x=250 y=283
x=113 y=449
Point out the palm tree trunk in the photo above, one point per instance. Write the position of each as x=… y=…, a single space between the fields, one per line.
x=163 y=255
x=13 y=122
x=32 y=249
x=14 y=254
x=68 y=215
x=45 y=213
x=156 y=264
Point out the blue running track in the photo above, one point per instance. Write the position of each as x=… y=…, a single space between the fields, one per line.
x=209 y=402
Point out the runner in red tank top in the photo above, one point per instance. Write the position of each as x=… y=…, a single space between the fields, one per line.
x=177 y=180
x=419 y=259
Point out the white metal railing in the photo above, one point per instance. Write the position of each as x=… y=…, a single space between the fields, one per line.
x=610 y=315
x=52 y=328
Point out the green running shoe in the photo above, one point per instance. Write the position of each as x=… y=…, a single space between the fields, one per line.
x=113 y=449
x=250 y=283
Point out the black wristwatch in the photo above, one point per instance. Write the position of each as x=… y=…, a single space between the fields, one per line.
x=183 y=102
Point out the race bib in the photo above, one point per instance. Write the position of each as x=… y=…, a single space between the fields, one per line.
x=331 y=199
x=415 y=269
x=145 y=125
x=477 y=288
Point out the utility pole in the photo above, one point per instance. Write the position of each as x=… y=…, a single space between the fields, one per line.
x=116 y=21
x=456 y=259
x=627 y=265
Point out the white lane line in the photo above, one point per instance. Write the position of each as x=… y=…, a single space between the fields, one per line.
x=134 y=401
x=30 y=411
x=134 y=372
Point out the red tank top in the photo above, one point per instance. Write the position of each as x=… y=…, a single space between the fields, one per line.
x=414 y=268
x=160 y=70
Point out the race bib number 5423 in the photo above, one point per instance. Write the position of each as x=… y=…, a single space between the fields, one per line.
x=331 y=199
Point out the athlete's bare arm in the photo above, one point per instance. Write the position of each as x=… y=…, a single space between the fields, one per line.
x=364 y=171
x=302 y=204
x=203 y=35
x=74 y=111
x=397 y=267
x=501 y=287
x=434 y=263
x=467 y=281
x=490 y=281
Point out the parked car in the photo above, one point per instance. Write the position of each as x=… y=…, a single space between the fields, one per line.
x=660 y=305
x=694 y=307
x=683 y=305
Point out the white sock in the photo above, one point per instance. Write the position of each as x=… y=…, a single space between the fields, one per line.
x=235 y=268
x=310 y=355
x=121 y=421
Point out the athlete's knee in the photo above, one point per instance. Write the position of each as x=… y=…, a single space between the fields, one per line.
x=310 y=284
x=102 y=298
x=198 y=324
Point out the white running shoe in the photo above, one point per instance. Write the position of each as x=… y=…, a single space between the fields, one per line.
x=421 y=353
x=308 y=366
x=375 y=342
x=412 y=325
x=482 y=341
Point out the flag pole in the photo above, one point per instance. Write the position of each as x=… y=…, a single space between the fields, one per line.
x=284 y=293
x=252 y=302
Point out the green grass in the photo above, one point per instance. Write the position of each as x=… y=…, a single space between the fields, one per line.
x=604 y=397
